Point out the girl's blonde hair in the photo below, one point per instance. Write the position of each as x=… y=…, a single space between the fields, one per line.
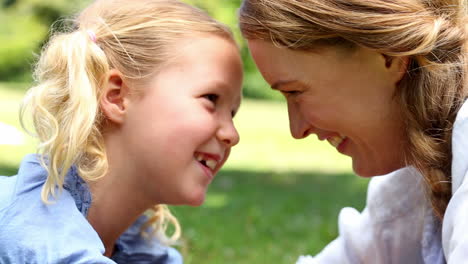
x=432 y=33
x=134 y=37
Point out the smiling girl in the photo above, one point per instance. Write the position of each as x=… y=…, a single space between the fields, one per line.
x=133 y=108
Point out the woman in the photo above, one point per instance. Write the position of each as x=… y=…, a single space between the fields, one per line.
x=385 y=83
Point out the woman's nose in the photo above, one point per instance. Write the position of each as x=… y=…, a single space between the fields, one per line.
x=298 y=126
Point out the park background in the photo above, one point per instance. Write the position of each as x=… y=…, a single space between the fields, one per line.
x=275 y=199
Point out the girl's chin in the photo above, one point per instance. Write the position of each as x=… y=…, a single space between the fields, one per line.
x=196 y=200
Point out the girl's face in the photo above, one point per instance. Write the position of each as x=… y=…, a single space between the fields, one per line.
x=180 y=131
x=344 y=97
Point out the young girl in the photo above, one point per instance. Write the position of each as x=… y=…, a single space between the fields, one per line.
x=385 y=82
x=133 y=108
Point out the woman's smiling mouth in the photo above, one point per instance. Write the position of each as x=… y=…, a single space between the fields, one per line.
x=335 y=141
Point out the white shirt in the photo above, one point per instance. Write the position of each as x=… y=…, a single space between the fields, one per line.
x=398 y=225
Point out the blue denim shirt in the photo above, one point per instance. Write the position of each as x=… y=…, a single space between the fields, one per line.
x=33 y=232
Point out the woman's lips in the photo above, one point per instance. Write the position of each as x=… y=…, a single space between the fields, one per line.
x=335 y=141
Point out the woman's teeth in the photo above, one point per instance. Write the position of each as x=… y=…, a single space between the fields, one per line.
x=336 y=140
x=207 y=162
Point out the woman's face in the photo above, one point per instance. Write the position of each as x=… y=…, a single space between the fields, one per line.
x=343 y=96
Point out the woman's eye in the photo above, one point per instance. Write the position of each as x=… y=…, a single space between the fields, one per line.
x=289 y=92
x=211 y=97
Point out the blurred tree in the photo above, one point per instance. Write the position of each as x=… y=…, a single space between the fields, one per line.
x=25 y=31
x=226 y=11
x=8 y=3
x=20 y=37
x=28 y=22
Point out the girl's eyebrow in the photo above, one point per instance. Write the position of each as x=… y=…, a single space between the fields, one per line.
x=280 y=83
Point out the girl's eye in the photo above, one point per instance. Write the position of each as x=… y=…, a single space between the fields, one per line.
x=211 y=97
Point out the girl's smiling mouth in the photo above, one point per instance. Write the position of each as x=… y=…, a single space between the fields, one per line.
x=211 y=161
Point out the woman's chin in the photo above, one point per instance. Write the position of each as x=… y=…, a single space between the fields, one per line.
x=371 y=171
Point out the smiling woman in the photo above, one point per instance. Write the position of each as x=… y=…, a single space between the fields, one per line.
x=317 y=101
x=385 y=83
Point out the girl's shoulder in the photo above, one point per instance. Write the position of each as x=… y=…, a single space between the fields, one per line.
x=30 y=176
x=133 y=247
x=34 y=232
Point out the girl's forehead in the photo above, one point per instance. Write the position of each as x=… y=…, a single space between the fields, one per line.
x=205 y=62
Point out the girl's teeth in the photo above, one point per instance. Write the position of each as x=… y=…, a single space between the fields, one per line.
x=336 y=140
x=211 y=164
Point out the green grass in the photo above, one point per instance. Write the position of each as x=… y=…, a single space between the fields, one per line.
x=275 y=199
x=266 y=143
x=267 y=217
x=10 y=98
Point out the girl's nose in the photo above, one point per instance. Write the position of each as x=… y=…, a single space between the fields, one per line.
x=228 y=134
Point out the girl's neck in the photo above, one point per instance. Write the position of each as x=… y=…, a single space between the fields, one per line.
x=117 y=198
x=116 y=202
x=113 y=210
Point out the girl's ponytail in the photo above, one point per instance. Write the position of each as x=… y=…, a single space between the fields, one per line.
x=65 y=108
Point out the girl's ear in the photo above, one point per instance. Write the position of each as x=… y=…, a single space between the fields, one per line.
x=115 y=96
x=397 y=66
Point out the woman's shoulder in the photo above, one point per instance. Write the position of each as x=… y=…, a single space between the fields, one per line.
x=397 y=222
x=395 y=194
x=454 y=228
x=460 y=148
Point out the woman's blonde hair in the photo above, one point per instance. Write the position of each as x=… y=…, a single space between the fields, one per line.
x=134 y=37
x=432 y=34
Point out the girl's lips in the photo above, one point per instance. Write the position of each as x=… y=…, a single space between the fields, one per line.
x=209 y=160
x=207 y=171
x=212 y=156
